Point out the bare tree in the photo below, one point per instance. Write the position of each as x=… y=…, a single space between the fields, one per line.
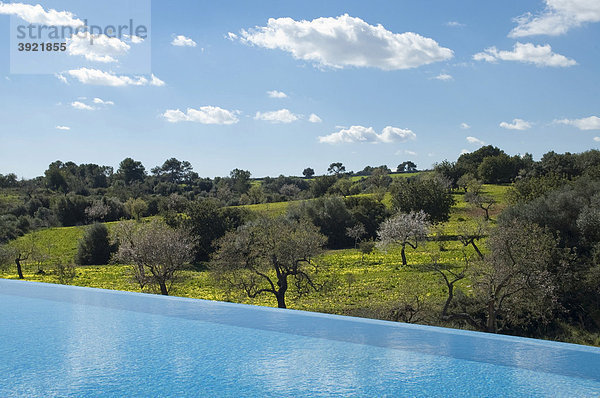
x=469 y=234
x=262 y=257
x=156 y=251
x=404 y=229
x=357 y=232
x=513 y=284
x=478 y=199
x=20 y=251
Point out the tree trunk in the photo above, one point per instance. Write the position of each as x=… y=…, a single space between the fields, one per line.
x=280 y=294
x=19 y=270
x=476 y=249
x=163 y=288
x=403 y=252
x=491 y=321
x=280 y=300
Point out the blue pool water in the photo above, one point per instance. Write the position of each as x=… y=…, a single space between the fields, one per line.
x=70 y=341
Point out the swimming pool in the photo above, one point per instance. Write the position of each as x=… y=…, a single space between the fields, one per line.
x=72 y=341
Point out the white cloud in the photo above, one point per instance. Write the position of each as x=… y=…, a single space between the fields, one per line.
x=231 y=36
x=98 y=48
x=182 y=41
x=464 y=126
x=527 y=53
x=102 y=102
x=411 y=153
x=276 y=94
x=155 y=81
x=38 y=15
x=517 y=124
x=204 y=115
x=81 y=106
x=63 y=128
x=455 y=24
x=597 y=139
x=101 y=78
x=586 y=123
x=346 y=41
x=280 y=116
x=464 y=151
x=444 y=77
x=558 y=17
x=367 y=134
x=314 y=118
x=475 y=140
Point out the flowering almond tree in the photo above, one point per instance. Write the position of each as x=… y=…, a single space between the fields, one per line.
x=404 y=229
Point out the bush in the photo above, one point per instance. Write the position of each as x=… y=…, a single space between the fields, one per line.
x=94 y=247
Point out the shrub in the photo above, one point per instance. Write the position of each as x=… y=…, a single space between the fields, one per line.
x=94 y=247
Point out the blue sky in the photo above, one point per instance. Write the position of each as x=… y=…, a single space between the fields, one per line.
x=383 y=81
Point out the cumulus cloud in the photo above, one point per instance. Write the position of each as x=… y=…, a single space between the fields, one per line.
x=81 y=106
x=540 y=55
x=182 y=41
x=597 y=139
x=314 y=118
x=367 y=134
x=557 y=18
x=98 y=48
x=101 y=78
x=464 y=126
x=100 y=101
x=276 y=94
x=411 y=153
x=475 y=140
x=38 y=15
x=444 y=77
x=517 y=124
x=280 y=116
x=65 y=128
x=346 y=41
x=204 y=115
x=586 y=123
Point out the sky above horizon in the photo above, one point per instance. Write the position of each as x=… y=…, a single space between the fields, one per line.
x=274 y=87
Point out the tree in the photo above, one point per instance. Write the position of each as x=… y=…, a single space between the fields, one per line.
x=240 y=180
x=469 y=234
x=262 y=257
x=330 y=215
x=157 y=252
x=467 y=181
x=175 y=171
x=407 y=166
x=478 y=199
x=131 y=171
x=206 y=222
x=94 y=247
x=136 y=208
x=357 y=232
x=308 y=172
x=404 y=229
x=513 y=284
x=431 y=195
x=24 y=249
x=336 y=168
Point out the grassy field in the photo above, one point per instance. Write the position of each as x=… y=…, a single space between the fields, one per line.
x=353 y=284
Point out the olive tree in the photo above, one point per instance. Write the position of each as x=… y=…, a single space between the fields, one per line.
x=513 y=285
x=404 y=229
x=157 y=251
x=265 y=255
